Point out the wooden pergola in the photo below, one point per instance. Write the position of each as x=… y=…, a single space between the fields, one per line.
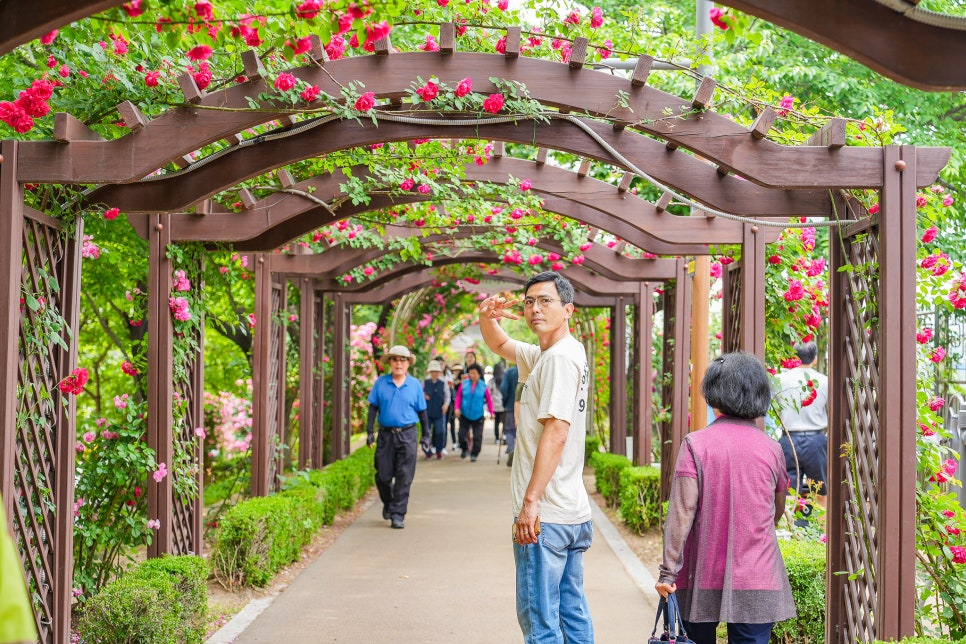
x=871 y=525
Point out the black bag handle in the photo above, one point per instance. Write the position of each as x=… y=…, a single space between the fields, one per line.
x=677 y=631
x=662 y=610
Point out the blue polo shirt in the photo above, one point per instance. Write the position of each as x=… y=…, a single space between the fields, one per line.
x=398 y=406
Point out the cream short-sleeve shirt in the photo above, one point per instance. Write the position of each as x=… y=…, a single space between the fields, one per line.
x=557 y=386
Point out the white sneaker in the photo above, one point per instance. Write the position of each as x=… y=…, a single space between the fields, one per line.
x=445 y=452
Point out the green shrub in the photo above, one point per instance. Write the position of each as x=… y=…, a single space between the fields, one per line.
x=640 y=497
x=257 y=537
x=805 y=563
x=923 y=640
x=607 y=475
x=159 y=601
x=591 y=446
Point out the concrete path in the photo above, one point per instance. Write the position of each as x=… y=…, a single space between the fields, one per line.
x=447 y=577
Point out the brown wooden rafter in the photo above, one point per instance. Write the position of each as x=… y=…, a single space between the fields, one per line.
x=716 y=138
x=282 y=217
x=916 y=54
x=681 y=171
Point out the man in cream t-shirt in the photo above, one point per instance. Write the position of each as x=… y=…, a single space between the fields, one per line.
x=552 y=510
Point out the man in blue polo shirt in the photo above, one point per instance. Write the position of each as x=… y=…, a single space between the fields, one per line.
x=397 y=399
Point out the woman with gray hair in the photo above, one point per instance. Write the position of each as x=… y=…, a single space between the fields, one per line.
x=720 y=548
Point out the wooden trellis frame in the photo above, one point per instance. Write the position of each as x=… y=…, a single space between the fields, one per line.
x=776 y=181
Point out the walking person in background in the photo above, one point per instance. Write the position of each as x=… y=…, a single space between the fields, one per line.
x=551 y=506
x=721 y=552
x=499 y=410
x=397 y=399
x=508 y=391
x=472 y=402
x=437 y=395
x=468 y=358
x=802 y=402
x=452 y=420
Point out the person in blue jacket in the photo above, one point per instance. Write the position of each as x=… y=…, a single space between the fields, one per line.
x=471 y=396
x=397 y=400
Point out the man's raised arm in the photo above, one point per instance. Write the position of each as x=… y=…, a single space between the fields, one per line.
x=492 y=310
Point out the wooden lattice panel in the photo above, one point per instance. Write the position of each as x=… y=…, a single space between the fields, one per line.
x=731 y=318
x=36 y=461
x=187 y=512
x=860 y=431
x=276 y=386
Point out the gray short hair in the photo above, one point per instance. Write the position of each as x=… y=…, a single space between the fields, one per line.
x=806 y=351
x=737 y=384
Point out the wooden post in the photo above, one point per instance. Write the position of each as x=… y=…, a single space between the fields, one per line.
x=11 y=263
x=261 y=359
x=160 y=382
x=895 y=578
x=70 y=285
x=319 y=369
x=645 y=376
x=618 y=378
x=340 y=397
x=307 y=420
x=701 y=290
x=682 y=353
x=753 y=291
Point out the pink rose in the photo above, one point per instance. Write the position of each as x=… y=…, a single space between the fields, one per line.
x=428 y=92
x=717 y=16
x=284 y=82
x=465 y=87
x=366 y=102
x=930 y=234
x=493 y=103
x=201 y=52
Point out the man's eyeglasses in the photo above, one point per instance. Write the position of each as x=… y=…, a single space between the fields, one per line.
x=543 y=301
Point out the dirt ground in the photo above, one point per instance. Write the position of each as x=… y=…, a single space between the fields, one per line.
x=224 y=604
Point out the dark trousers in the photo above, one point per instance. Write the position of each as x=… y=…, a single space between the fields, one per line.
x=498 y=417
x=438 y=426
x=808 y=458
x=395 y=469
x=477 y=427
x=451 y=423
x=703 y=632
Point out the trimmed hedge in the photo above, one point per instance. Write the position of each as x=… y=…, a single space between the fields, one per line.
x=923 y=640
x=607 y=475
x=591 y=446
x=258 y=537
x=640 y=497
x=805 y=563
x=160 y=601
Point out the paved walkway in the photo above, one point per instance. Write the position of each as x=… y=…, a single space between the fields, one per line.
x=447 y=577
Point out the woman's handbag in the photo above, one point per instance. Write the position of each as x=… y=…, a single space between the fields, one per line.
x=673 y=623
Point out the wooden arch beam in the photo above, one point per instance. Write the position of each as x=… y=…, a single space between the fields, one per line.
x=716 y=138
x=281 y=217
x=22 y=21
x=914 y=53
x=689 y=175
x=411 y=282
x=341 y=259
x=588 y=280
x=601 y=274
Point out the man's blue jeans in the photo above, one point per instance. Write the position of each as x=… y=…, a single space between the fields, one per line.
x=551 y=605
